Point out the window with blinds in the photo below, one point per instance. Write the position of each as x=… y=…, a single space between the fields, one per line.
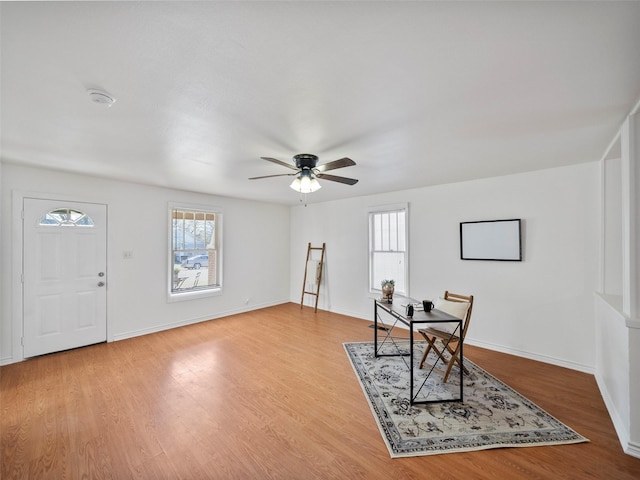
x=196 y=250
x=388 y=248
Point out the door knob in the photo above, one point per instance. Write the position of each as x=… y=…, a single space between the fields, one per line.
x=101 y=284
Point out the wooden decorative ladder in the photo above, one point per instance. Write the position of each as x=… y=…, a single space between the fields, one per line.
x=318 y=274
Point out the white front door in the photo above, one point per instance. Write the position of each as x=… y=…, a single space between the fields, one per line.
x=64 y=275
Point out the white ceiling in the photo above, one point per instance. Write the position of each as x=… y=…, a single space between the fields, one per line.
x=416 y=93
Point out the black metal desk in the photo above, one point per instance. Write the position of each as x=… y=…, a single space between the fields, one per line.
x=398 y=312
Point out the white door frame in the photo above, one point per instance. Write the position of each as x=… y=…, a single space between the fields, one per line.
x=17 y=350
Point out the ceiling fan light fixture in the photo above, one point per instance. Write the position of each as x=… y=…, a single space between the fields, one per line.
x=296 y=184
x=314 y=185
x=305 y=183
x=307 y=172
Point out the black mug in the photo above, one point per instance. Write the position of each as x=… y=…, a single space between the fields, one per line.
x=428 y=305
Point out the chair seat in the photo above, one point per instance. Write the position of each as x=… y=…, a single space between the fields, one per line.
x=434 y=332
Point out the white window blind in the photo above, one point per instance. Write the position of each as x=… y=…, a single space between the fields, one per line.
x=388 y=248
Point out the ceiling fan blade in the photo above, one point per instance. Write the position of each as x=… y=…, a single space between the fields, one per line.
x=342 y=162
x=335 y=178
x=280 y=162
x=278 y=175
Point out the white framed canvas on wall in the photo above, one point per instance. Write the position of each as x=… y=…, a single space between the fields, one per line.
x=491 y=240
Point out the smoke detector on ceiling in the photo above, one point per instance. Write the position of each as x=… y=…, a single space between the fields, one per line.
x=101 y=97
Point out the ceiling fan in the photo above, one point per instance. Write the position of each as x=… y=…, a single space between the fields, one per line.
x=308 y=171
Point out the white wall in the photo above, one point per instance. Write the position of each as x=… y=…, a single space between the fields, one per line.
x=531 y=308
x=540 y=308
x=256 y=253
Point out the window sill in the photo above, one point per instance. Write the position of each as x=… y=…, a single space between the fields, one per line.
x=193 y=295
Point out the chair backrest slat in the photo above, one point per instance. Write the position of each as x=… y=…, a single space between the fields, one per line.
x=456 y=297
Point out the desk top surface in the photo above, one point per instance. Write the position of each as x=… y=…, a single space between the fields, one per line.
x=399 y=308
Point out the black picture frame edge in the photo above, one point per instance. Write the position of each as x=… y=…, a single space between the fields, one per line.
x=519 y=259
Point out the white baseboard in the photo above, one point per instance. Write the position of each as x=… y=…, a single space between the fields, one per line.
x=190 y=321
x=533 y=356
x=6 y=361
x=620 y=427
x=633 y=449
x=490 y=346
x=167 y=326
x=349 y=314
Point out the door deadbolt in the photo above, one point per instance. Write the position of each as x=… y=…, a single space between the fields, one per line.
x=101 y=274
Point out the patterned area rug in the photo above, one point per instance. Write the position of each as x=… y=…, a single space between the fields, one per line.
x=493 y=415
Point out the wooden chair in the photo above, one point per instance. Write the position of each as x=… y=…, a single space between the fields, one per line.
x=447 y=343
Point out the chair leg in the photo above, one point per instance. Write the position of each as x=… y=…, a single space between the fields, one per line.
x=439 y=354
x=452 y=351
x=464 y=369
x=432 y=346
x=453 y=360
x=426 y=350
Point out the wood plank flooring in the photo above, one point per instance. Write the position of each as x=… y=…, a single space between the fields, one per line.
x=268 y=394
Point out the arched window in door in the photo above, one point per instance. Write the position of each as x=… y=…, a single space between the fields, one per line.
x=66 y=217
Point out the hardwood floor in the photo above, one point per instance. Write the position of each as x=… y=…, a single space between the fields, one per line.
x=261 y=395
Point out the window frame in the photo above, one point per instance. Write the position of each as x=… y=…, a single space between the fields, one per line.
x=209 y=291
x=371 y=212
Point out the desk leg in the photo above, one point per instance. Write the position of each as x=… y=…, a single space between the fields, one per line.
x=411 y=365
x=375 y=329
x=461 y=364
x=412 y=400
